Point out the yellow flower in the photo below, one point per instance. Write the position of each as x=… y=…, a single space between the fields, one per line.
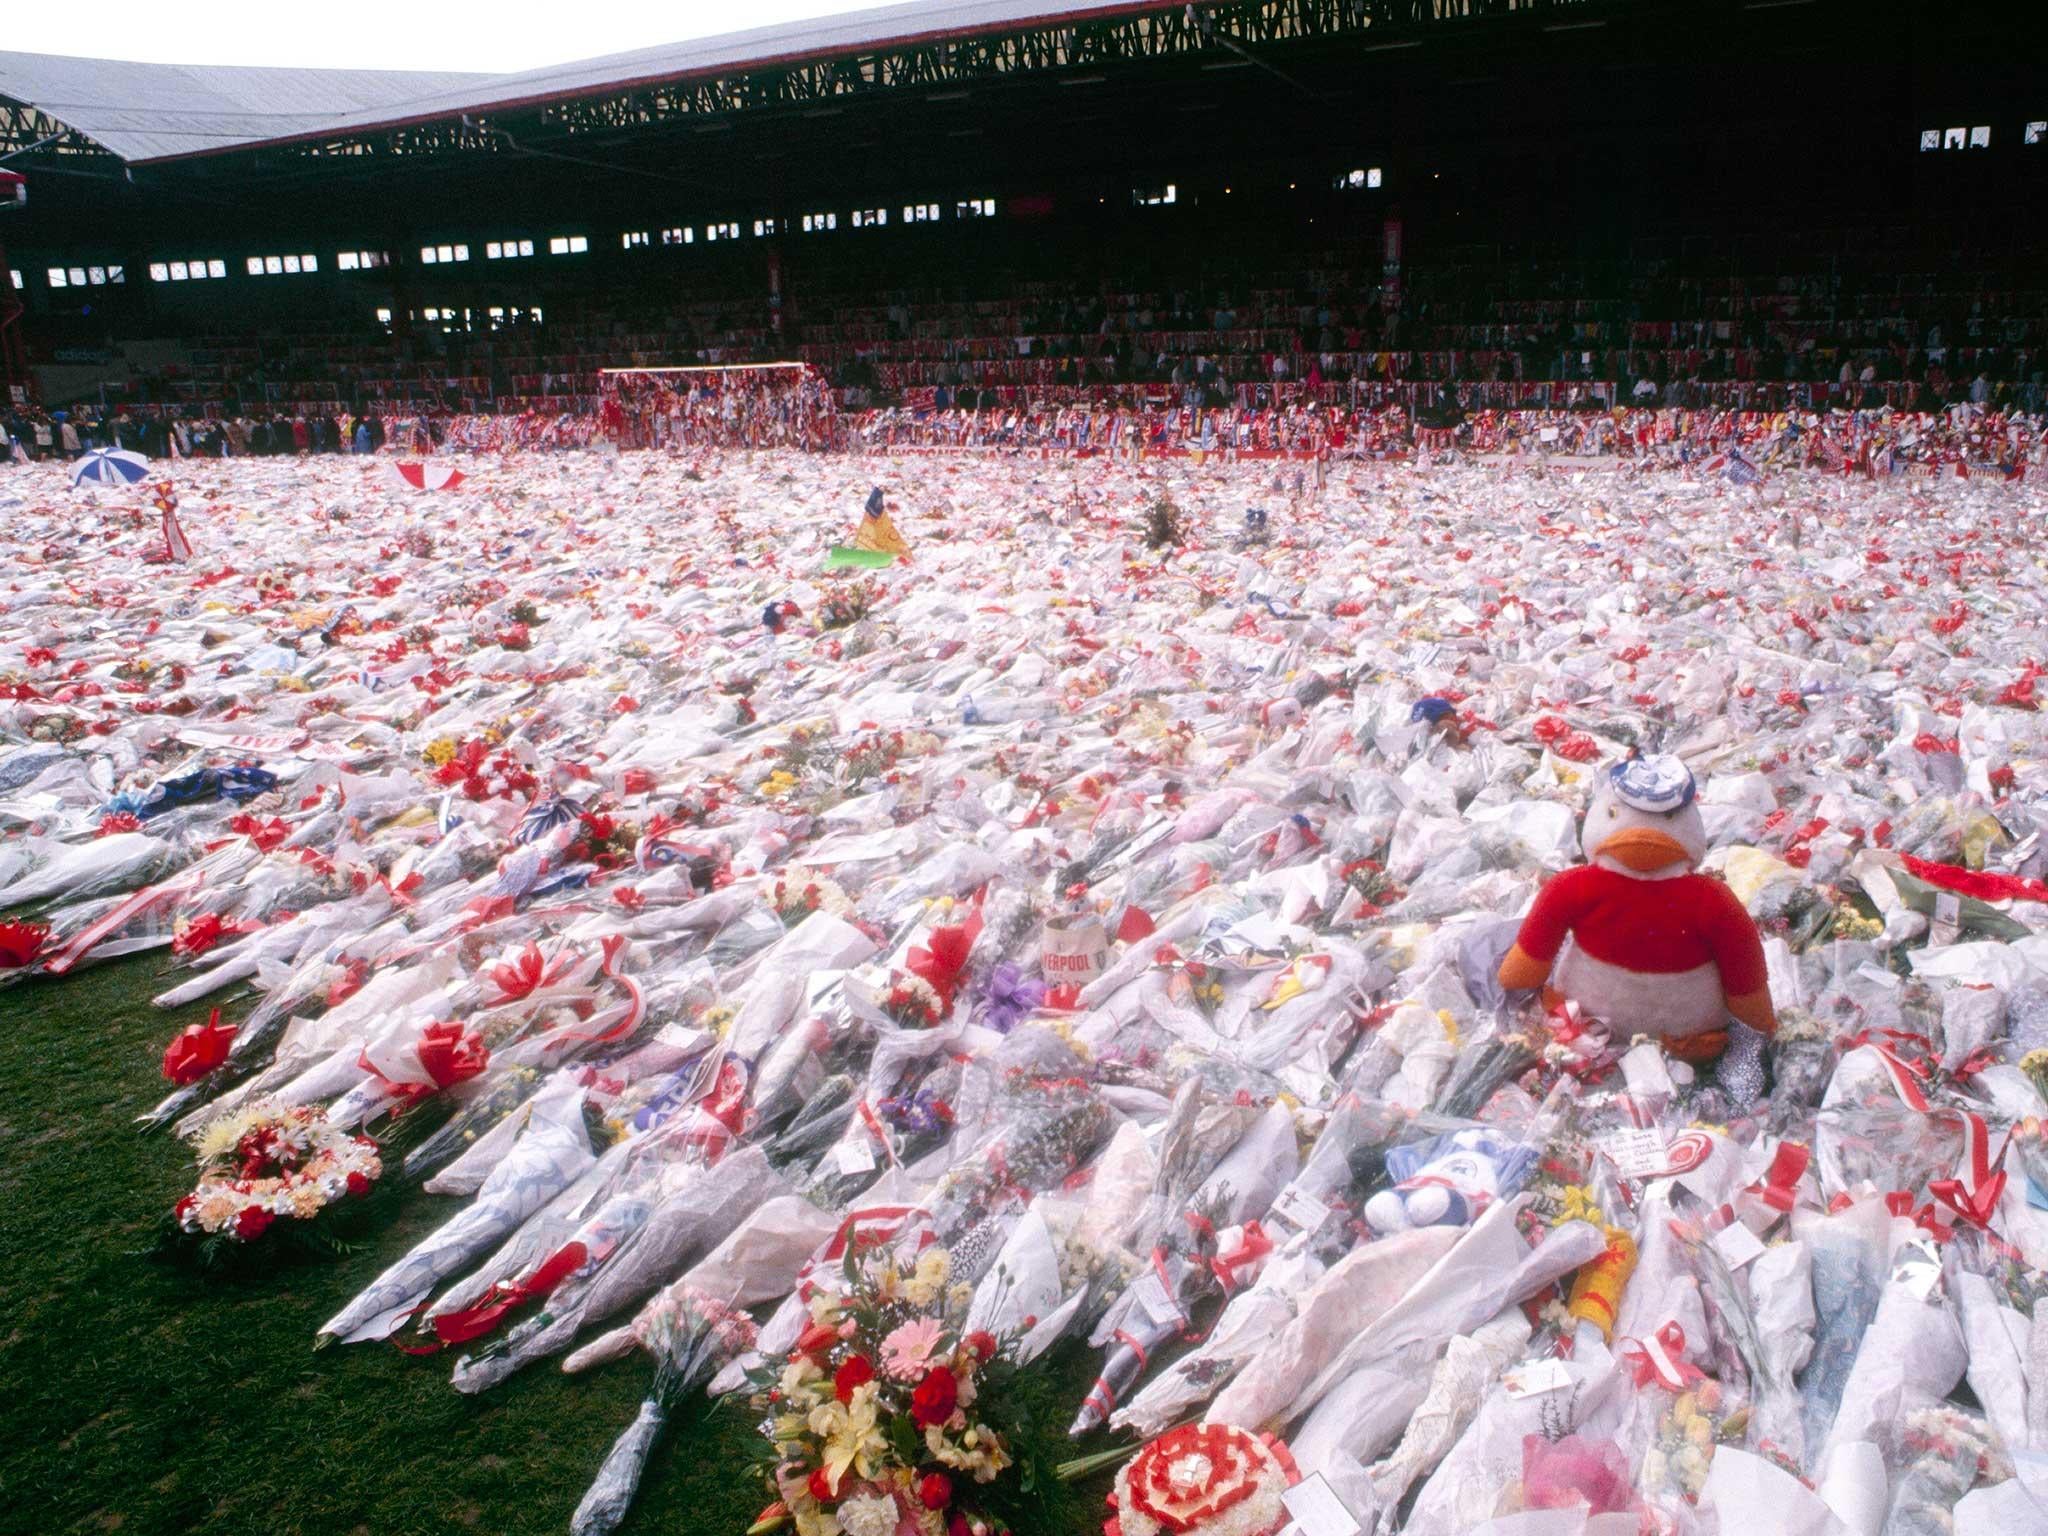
x=1576 y=1204
x=797 y=1374
x=439 y=752
x=852 y=1438
x=922 y=1288
x=824 y=1309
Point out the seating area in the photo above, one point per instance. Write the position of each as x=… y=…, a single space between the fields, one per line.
x=1842 y=320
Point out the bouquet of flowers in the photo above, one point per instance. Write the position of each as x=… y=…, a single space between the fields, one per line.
x=690 y=1334
x=1943 y=1451
x=264 y=1164
x=798 y=893
x=848 y=603
x=888 y=1416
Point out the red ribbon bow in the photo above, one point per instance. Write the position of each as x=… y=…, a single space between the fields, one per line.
x=478 y=1319
x=197 y=1050
x=943 y=965
x=1974 y=1198
x=1661 y=1358
x=451 y=1054
x=1252 y=1246
x=526 y=975
x=20 y=943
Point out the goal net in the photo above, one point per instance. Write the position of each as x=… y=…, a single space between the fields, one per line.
x=737 y=405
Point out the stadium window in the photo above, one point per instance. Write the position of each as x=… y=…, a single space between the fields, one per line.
x=725 y=231
x=2034 y=133
x=975 y=208
x=273 y=265
x=57 y=278
x=345 y=261
x=870 y=218
x=1155 y=197
x=818 y=223
x=116 y=275
x=255 y=266
x=680 y=236
x=568 y=245
x=533 y=314
x=764 y=227
x=1980 y=137
x=1954 y=138
x=1360 y=179
x=216 y=268
x=1930 y=139
x=97 y=276
x=77 y=275
x=291 y=265
x=632 y=238
x=920 y=213
x=383 y=317
x=179 y=272
x=159 y=272
x=14 y=276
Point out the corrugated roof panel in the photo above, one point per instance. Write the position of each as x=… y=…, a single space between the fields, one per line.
x=160 y=111
x=148 y=111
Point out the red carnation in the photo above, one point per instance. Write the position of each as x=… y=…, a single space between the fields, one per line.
x=251 y=1222
x=982 y=1344
x=852 y=1374
x=935 y=1398
x=935 y=1490
x=358 y=1185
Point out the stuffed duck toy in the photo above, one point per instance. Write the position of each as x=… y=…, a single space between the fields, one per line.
x=1634 y=937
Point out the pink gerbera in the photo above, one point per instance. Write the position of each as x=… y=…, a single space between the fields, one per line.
x=907 y=1352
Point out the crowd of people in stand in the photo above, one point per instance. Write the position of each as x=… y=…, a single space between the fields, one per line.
x=166 y=432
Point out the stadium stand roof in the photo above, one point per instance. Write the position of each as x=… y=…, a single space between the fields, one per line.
x=151 y=112
x=142 y=112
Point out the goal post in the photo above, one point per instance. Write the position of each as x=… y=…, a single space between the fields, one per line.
x=721 y=405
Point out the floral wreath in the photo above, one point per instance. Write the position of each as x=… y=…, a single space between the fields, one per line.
x=269 y=1162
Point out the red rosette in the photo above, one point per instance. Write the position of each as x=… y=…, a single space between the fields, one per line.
x=1192 y=1476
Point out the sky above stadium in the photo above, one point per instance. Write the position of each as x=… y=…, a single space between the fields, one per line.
x=497 y=36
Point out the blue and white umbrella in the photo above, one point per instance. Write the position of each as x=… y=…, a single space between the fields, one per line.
x=109 y=466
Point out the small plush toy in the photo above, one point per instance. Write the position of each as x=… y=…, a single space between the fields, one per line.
x=1448 y=1180
x=1648 y=946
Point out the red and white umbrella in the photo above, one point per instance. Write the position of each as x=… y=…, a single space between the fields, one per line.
x=428 y=477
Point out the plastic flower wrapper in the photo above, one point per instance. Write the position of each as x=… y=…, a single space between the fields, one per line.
x=691 y=1334
x=1912 y=1356
x=1781 y=1303
x=1030 y=1131
x=1940 y=1453
x=1309 y=1226
x=691 y=1208
x=758 y=1262
x=1211 y=1248
x=1302 y=1332
x=1802 y=1066
x=1995 y=1295
x=549 y=1155
x=1489 y=1267
x=1073 y=1233
x=1464 y=1441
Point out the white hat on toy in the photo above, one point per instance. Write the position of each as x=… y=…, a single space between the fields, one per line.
x=1655 y=785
